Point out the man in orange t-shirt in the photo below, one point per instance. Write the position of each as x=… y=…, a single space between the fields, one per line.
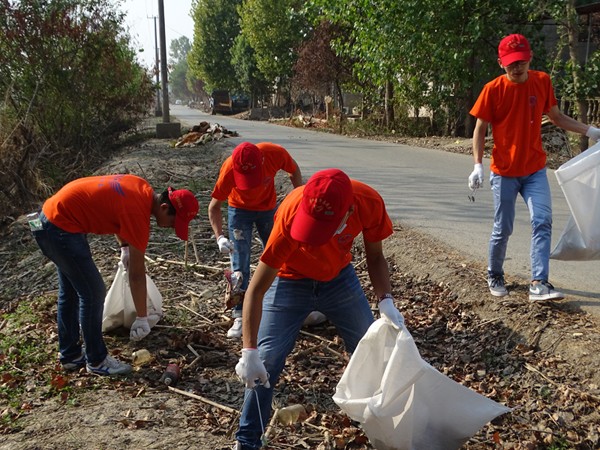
x=513 y=104
x=109 y=204
x=247 y=182
x=306 y=266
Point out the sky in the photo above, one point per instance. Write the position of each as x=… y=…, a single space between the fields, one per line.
x=139 y=19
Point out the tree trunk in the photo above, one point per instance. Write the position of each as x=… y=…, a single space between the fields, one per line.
x=389 y=104
x=581 y=103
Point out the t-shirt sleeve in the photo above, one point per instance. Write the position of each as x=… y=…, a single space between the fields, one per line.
x=482 y=109
x=550 y=97
x=376 y=223
x=225 y=182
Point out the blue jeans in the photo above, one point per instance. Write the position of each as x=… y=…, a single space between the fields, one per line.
x=285 y=306
x=81 y=292
x=535 y=190
x=240 y=223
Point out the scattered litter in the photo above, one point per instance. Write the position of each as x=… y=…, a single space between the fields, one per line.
x=202 y=133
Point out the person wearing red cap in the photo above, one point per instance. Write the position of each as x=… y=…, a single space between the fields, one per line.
x=306 y=266
x=513 y=104
x=108 y=204
x=247 y=182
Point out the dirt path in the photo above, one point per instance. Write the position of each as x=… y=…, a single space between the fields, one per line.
x=541 y=360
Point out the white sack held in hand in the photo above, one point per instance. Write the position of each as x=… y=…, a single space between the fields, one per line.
x=119 y=310
x=579 y=179
x=402 y=402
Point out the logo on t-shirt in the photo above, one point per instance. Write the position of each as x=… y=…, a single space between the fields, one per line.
x=115 y=184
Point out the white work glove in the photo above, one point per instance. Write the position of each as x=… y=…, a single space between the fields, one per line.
x=387 y=309
x=250 y=368
x=593 y=133
x=140 y=329
x=125 y=257
x=476 y=177
x=153 y=319
x=225 y=245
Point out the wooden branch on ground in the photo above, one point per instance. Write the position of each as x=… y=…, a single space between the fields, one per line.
x=181 y=305
x=205 y=400
x=192 y=265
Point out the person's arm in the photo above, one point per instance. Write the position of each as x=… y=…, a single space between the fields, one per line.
x=379 y=273
x=378 y=269
x=565 y=122
x=296 y=177
x=259 y=284
x=215 y=217
x=479 y=140
x=137 y=280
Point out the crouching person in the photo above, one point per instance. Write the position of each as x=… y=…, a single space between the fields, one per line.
x=306 y=267
x=112 y=204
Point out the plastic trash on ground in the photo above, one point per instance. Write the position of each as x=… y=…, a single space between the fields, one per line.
x=402 y=402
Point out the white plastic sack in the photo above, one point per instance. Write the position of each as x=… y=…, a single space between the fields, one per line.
x=402 y=402
x=119 y=310
x=579 y=179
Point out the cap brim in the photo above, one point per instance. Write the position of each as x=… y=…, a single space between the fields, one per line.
x=243 y=182
x=308 y=230
x=182 y=227
x=514 y=57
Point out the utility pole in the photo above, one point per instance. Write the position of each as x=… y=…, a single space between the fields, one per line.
x=165 y=129
x=163 y=61
x=158 y=109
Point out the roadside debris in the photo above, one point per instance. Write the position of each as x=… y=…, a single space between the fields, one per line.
x=202 y=133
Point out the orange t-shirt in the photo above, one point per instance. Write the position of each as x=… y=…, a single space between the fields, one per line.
x=515 y=112
x=323 y=263
x=108 y=204
x=263 y=197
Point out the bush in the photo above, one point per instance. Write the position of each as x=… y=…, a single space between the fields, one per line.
x=71 y=86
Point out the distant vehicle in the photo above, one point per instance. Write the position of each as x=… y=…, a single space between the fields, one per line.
x=221 y=102
x=178 y=102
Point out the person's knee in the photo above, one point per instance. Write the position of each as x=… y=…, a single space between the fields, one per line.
x=542 y=220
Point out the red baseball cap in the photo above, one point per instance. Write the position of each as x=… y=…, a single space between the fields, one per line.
x=514 y=47
x=186 y=208
x=326 y=199
x=247 y=166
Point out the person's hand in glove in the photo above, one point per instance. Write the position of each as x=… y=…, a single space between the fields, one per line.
x=250 y=368
x=225 y=245
x=125 y=256
x=387 y=309
x=476 y=177
x=153 y=319
x=140 y=329
x=593 y=133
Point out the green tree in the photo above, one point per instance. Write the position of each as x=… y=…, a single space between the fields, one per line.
x=435 y=54
x=274 y=29
x=70 y=85
x=575 y=79
x=250 y=79
x=178 y=52
x=216 y=25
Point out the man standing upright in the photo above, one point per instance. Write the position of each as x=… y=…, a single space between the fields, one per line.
x=247 y=182
x=513 y=104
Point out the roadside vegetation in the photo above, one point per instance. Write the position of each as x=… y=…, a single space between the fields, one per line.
x=70 y=86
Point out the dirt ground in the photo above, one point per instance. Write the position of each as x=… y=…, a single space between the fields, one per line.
x=540 y=360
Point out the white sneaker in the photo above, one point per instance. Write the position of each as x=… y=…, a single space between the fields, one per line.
x=110 y=366
x=544 y=291
x=236 y=329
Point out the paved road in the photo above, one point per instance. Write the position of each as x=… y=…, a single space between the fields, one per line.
x=425 y=189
